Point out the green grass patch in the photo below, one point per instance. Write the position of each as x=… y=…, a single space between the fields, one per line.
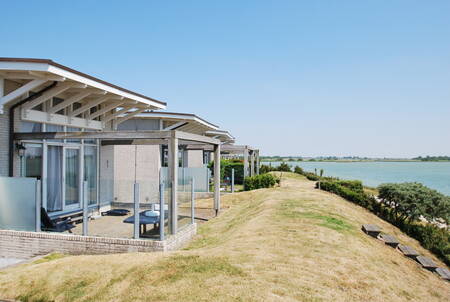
x=50 y=257
x=290 y=209
x=178 y=267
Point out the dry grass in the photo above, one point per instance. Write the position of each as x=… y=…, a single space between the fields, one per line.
x=292 y=243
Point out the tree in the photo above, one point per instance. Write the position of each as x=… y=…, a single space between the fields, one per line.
x=411 y=200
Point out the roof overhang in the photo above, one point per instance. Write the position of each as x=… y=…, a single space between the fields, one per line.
x=190 y=123
x=32 y=75
x=224 y=136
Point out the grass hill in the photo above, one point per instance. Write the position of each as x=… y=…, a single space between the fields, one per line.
x=291 y=243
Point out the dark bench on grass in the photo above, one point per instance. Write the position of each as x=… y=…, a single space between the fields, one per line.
x=443 y=273
x=389 y=240
x=408 y=251
x=427 y=263
x=371 y=229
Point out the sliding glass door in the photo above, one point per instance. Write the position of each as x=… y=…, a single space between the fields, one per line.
x=72 y=178
x=63 y=178
x=54 y=178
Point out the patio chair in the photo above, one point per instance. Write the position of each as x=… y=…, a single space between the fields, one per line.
x=48 y=225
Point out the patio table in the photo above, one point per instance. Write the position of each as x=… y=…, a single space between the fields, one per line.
x=144 y=220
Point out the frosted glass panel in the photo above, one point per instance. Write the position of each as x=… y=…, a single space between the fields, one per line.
x=18 y=203
x=201 y=178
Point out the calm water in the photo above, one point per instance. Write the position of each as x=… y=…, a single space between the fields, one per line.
x=435 y=175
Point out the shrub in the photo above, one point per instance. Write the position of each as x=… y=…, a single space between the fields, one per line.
x=259 y=181
x=238 y=171
x=298 y=170
x=412 y=200
x=311 y=176
x=265 y=169
x=283 y=167
x=225 y=169
x=355 y=185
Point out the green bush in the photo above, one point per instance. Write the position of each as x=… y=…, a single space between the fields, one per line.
x=400 y=198
x=265 y=169
x=283 y=167
x=411 y=200
x=298 y=170
x=354 y=185
x=226 y=167
x=238 y=172
x=259 y=181
x=311 y=176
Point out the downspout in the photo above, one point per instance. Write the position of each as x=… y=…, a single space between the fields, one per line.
x=11 y=123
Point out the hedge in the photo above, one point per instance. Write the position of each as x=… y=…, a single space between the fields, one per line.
x=259 y=181
x=226 y=167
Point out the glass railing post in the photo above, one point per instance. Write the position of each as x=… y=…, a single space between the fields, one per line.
x=162 y=211
x=136 y=211
x=192 y=201
x=232 y=180
x=85 y=208
x=38 y=205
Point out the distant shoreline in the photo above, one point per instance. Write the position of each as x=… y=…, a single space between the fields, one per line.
x=355 y=161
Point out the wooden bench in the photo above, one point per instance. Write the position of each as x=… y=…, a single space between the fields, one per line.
x=427 y=263
x=371 y=229
x=408 y=251
x=443 y=273
x=389 y=240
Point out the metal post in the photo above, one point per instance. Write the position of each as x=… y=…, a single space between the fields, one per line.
x=192 y=201
x=217 y=178
x=161 y=211
x=85 y=208
x=38 y=205
x=173 y=168
x=136 y=212
x=207 y=179
x=232 y=180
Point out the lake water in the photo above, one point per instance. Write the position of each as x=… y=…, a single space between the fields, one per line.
x=435 y=175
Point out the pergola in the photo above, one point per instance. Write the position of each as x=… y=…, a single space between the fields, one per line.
x=250 y=155
x=172 y=138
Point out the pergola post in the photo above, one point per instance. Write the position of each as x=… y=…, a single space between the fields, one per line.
x=245 y=162
x=252 y=163
x=217 y=178
x=173 y=173
x=257 y=162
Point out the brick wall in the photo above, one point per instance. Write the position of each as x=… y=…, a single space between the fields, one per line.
x=19 y=244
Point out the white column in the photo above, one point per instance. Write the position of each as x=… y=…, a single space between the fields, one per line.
x=245 y=162
x=217 y=178
x=173 y=172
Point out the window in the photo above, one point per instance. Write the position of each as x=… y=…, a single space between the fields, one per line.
x=30 y=127
x=31 y=164
x=90 y=172
x=73 y=140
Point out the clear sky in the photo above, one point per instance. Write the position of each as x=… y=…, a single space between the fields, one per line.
x=367 y=78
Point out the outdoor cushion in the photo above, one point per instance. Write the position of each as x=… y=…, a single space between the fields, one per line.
x=116 y=212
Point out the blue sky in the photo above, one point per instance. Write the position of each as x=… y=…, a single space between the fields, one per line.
x=367 y=78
